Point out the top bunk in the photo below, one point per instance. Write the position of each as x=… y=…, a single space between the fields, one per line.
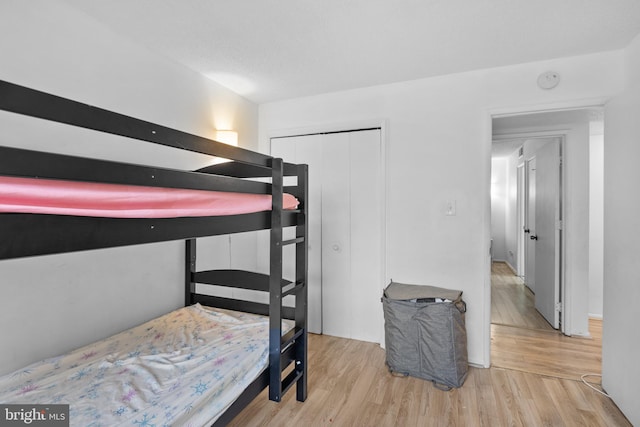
x=54 y=203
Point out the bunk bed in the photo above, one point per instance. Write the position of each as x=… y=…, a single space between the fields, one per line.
x=34 y=221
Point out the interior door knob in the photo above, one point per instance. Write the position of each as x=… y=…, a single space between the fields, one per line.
x=336 y=248
x=533 y=237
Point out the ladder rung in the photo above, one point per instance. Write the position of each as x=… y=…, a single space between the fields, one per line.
x=287 y=356
x=296 y=240
x=293 y=290
x=291 y=380
x=284 y=283
x=290 y=337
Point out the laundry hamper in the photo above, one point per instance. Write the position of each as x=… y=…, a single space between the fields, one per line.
x=425 y=333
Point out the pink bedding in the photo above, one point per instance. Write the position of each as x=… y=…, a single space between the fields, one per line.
x=30 y=195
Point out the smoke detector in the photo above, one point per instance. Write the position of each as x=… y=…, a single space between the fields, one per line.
x=548 y=80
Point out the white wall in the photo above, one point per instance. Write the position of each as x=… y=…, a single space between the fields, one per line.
x=511 y=213
x=54 y=303
x=499 y=202
x=621 y=335
x=596 y=219
x=439 y=149
x=576 y=229
x=509 y=198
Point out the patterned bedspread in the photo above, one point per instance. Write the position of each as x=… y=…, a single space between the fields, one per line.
x=182 y=369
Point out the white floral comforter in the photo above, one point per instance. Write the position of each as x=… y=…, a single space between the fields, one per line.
x=182 y=369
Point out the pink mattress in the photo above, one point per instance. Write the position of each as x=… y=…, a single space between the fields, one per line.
x=46 y=196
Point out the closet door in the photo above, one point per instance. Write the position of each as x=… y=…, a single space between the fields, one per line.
x=366 y=226
x=337 y=287
x=308 y=150
x=346 y=228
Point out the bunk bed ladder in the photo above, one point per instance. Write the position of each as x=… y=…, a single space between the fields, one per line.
x=292 y=347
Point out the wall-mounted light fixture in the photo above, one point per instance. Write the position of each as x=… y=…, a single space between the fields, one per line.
x=227 y=136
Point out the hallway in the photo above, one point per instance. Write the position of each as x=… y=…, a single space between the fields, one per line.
x=513 y=303
x=522 y=340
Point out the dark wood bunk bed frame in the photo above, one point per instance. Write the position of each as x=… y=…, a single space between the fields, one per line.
x=25 y=235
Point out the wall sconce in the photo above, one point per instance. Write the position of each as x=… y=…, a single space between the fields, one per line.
x=227 y=136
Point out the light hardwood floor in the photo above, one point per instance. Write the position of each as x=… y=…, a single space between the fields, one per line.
x=349 y=385
x=547 y=353
x=522 y=340
x=512 y=303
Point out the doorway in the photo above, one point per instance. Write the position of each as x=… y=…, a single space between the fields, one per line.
x=574 y=266
x=346 y=229
x=531 y=175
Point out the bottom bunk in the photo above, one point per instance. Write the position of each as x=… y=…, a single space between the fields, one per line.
x=187 y=367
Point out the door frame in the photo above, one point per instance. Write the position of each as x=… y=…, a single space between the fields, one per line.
x=521 y=220
x=381 y=124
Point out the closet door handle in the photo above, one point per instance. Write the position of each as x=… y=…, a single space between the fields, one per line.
x=533 y=237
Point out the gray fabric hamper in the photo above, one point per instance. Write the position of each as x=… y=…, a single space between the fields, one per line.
x=425 y=333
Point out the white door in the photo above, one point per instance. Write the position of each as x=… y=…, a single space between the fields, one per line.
x=547 y=232
x=336 y=235
x=345 y=255
x=306 y=150
x=530 y=225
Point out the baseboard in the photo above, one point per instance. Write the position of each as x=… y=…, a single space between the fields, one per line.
x=586 y=335
x=478 y=365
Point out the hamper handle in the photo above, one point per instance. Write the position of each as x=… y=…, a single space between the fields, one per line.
x=461 y=306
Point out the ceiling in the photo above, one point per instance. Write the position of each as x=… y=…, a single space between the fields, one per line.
x=268 y=50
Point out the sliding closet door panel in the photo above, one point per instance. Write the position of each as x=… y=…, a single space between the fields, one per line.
x=308 y=150
x=287 y=151
x=366 y=267
x=337 y=292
